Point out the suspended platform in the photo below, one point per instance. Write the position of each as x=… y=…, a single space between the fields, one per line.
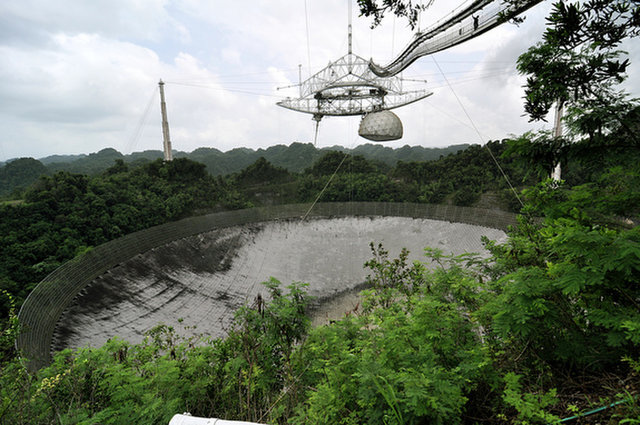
x=347 y=87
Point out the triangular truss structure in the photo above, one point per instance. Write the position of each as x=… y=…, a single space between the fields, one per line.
x=346 y=87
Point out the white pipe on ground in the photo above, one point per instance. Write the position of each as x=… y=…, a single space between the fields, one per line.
x=186 y=419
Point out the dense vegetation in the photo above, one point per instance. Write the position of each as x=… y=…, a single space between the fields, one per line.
x=17 y=175
x=461 y=178
x=546 y=328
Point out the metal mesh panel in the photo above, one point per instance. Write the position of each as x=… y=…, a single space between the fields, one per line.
x=46 y=303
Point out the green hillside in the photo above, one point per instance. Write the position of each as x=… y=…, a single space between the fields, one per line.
x=295 y=157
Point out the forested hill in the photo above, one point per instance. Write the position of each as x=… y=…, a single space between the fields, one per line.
x=295 y=158
x=17 y=175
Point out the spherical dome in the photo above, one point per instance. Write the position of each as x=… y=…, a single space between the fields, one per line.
x=381 y=126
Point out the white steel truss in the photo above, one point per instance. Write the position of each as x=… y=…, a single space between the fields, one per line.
x=347 y=86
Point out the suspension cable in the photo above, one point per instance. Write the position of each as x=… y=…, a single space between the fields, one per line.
x=506 y=178
x=346 y=154
x=306 y=20
x=137 y=132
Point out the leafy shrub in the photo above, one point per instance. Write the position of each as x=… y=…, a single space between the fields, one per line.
x=239 y=377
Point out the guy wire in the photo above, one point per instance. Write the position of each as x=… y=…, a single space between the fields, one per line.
x=477 y=131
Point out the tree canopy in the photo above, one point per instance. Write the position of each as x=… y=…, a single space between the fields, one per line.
x=579 y=63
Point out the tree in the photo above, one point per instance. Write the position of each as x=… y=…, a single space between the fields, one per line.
x=261 y=172
x=411 y=11
x=19 y=174
x=378 y=9
x=339 y=162
x=578 y=63
x=567 y=284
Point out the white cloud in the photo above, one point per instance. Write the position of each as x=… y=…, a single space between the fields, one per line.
x=231 y=56
x=123 y=19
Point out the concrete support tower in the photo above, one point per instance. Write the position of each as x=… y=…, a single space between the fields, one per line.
x=168 y=156
x=556 y=173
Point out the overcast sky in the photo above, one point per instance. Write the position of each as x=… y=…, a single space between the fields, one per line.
x=78 y=76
